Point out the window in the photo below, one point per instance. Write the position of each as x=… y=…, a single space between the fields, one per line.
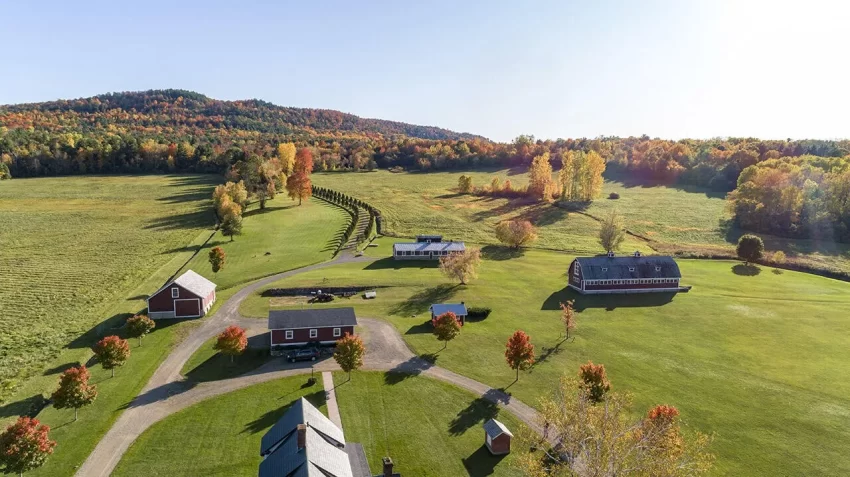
x=631 y=269
x=289 y=334
x=337 y=332
x=314 y=333
x=657 y=269
x=604 y=269
x=175 y=292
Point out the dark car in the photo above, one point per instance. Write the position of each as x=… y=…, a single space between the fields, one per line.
x=306 y=354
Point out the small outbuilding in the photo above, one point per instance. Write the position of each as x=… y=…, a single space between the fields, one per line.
x=497 y=437
x=310 y=326
x=459 y=309
x=187 y=296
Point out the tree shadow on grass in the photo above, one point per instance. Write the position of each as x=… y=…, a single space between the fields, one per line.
x=424 y=327
x=606 y=301
x=410 y=368
x=500 y=252
x=422 y=300
x=219 y=367
x=61 y=368
x=547 y=352
x=389 y=262
x=482 y=463
x=477 y=412
x=189 y=220
x=746 y=270
x=30 y=406
x=267 y=420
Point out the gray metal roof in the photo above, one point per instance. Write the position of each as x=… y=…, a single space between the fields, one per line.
x=311 y=317
x=301 y=412
x=193 y=282
x=323 y=454
x=458 y=309
x=606 y=268
x=429 y=247
x=494 y=429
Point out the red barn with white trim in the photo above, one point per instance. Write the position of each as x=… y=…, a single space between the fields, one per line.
x=187 y=296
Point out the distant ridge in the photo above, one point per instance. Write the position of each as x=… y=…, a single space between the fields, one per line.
x=176 y=108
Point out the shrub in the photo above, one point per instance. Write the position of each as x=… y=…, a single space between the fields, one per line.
x=477 y=312
x=613 y=195
x=778 y=257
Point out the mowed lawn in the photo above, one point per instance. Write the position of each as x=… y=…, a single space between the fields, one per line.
x=673 y=218
x=758 y=360
x=426 y=426
x=219 y=436
x=72 y=247
x=281 y=237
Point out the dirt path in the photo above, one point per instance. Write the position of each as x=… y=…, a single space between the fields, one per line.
x=167 y=392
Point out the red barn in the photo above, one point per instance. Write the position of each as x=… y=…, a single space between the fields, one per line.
x=310 y=326
x=187 y=296
x=629 y=274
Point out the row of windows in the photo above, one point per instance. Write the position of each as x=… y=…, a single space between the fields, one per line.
x=314 y=333
x=640 y=281
x=420 y=253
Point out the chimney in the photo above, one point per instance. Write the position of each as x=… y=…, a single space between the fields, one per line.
x=388 y=466
x=301 y=431
x=637 y=253
x=610 y=254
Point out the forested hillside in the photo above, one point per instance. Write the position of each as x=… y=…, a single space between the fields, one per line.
x=796 y=188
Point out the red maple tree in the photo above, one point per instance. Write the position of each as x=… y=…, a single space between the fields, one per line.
x=298 y=184
x=25 y=445
x=232 y=341
x=594 y=380
x=74 y=390
x=112 y=352
x=519 y=352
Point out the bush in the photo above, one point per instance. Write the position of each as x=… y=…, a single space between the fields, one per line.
x=613 y=195
x=478 y=312
x=778 y=257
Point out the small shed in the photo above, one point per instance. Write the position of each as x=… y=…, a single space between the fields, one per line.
x=459 y=309
x=497 y=437
x=187 y=296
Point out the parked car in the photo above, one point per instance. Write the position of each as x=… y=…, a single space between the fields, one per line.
x=306 y=354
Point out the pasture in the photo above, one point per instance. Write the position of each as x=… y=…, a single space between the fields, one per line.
x=668 y=218
x=758 y=359
x=74 y=247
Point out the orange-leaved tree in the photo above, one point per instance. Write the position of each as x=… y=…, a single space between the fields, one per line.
x=74 y=390
x=594 y=380
x=139 y=325
x=231 y=342
x=25 y=445
x=298 y=184
x=519 y=352
x=516 y=233
x=349 y=353
x=568 y=317
x=112 y=352
x=217 y=257
x=446 y=327
x=540 y=184
x=461 y=266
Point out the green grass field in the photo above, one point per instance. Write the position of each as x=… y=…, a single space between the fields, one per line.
x=281 y=237
x=219 y=436
x=428 y=427
x=673 y=219
x=73 y=247
x=758 y=360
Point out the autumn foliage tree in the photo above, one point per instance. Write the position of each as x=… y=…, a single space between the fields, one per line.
x=286 y=156
x=540 y=183
x=74 y=390
x=446 y=327
x=217 y=257
x=461 y=266
x=519 y=352
x=298 y=184
x=349 y=353
x=594 y=380
x=464 y=184
x=139 y=325
x=231 y=342
x=516 y=233
x=568 y=317
x=24 y=446
x=112 y=352
x=603 y=439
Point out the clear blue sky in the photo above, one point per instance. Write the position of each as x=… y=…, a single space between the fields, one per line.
x=671 y=69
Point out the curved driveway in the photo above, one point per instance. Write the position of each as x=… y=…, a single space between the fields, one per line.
x=168 y=392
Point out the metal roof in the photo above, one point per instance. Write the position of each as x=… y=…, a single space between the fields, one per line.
x=494 y=429
x=458 y=309
x=311 y=317
x=429 y=247
x=193 y=282
x=606 y=268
